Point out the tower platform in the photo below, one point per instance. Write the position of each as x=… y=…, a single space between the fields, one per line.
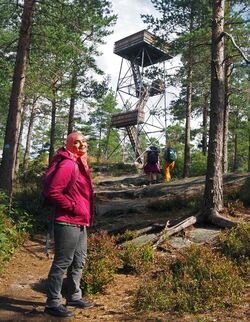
x=131 y=46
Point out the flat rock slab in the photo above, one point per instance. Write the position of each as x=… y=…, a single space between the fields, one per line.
x=196 y=236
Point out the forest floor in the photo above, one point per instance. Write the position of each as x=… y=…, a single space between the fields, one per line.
x=23 y=285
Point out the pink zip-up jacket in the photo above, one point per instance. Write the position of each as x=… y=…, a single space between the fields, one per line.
x=76 y=205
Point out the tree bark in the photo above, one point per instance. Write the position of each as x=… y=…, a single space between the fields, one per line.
x=71 y=122
x=29 y=136
x=186 y=169
x=52 y=127
x=186 y=166
x=19 y=142
x=205 y=125
x=228 y=71
x=235 y=161
x=249 y=146
x=7 y=171
x=248 y=101
x=213 y=195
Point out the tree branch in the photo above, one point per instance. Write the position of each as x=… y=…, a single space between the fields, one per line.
x=236 y=46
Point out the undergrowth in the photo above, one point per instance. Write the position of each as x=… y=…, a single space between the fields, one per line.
x=197 y=280
x=235 y=245
x=136 y=260
x=103 y=262
x=15 y=225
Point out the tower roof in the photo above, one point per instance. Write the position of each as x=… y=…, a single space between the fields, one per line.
x=132 y=46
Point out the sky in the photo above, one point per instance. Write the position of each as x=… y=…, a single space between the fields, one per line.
x=128 y=23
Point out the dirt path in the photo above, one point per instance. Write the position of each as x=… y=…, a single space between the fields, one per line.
x=22 y=290
x=22 y=295
x=23 y=284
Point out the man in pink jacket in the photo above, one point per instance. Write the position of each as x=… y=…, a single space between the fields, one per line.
x=73 y=213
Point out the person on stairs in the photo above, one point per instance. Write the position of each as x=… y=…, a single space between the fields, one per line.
x=170 y=157
x=73 y=214
x=151 y=164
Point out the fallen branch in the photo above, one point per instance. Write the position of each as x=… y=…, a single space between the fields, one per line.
x=169 y=231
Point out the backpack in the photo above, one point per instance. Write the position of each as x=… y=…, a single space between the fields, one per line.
x=170 y=155
x=49 y=174
x=152 y=156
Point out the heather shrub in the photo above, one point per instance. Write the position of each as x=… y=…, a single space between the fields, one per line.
x=15 y=225
x=136 y=260
x=235 y=245
x=126 y=236
x=196 y=280
x=103 y=261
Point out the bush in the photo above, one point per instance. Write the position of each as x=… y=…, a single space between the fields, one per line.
x=136 y=259
x=244 y=193
x=103 y=261
x=235 y=245
x=198 y=165
x=126 y=236
x=197 y=280
x=15 y=224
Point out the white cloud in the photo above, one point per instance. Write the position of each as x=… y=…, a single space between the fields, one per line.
x=128 y=22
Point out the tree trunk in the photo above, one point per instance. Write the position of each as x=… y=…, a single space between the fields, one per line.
x=29 y=136
x=248 y=101
x=213 y=195
x=186 y=166
x=71 y=122
x=235 y=162
x=228 y=71
x=205 y=125
x=19 y=142
x=52 y=129
x=186 y=169
x=249 y=146
x=99 y=150
x=7 y=171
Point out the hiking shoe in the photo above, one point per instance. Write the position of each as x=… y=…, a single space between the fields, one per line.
x=60 y=311
x=82 y=304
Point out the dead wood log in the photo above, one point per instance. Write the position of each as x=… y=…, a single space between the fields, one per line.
x=169 y=231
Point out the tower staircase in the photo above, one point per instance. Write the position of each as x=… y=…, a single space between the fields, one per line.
x=141 y=50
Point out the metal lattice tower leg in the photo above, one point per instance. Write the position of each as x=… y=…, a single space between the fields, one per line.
x=135 y=91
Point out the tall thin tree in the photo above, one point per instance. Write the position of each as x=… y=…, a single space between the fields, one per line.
x=213 y=196
x=7 y=169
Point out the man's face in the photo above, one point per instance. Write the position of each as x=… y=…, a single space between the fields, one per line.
x=80 y=145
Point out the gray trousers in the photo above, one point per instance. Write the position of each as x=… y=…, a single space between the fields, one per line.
x=70 y=257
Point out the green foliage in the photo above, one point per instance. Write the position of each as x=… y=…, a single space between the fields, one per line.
x=28 y=193
x=103 y=261
x=137 y=260
x=198 y=164
x=126 y=236
x=235 y=244
x=197 y=280
x=99 y=122
x=15 y=224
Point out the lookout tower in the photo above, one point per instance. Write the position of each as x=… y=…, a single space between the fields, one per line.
x=139 y=93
